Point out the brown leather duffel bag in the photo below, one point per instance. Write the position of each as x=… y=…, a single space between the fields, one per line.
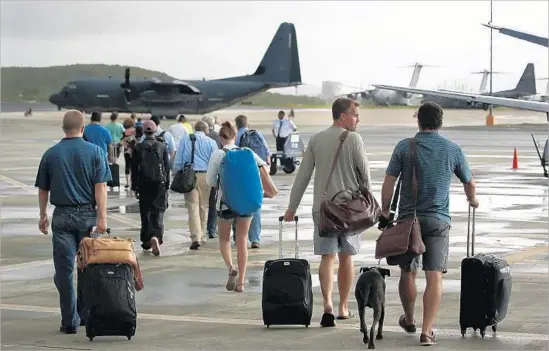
x=109 y=250
x=348 y=212
x=400 y=242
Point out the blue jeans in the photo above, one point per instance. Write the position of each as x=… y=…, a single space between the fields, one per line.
x=69 y=225
x=212 y=212
x=254 y=232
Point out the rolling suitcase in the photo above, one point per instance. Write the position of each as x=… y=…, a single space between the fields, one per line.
x=287 y=297
x=109 y=295
x=485 y=288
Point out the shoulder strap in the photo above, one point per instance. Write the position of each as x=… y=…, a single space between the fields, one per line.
x=342 y=138
x=413 y=158
x=162 y=134
x=193 y=142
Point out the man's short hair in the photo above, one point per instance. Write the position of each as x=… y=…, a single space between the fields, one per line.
x=241 y=121
x=281 y=113
x=429 y=116
x=181 y=118
x=96 y=116
x=73 y=121
x=200 y=126
x=156 y=120
x=342 y=105
x=114 y=116
x=209 y=121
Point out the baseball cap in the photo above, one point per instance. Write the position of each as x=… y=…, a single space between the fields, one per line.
x=149 y=126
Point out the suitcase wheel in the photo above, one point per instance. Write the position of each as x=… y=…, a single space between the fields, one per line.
x=494 y=328
x=463 y=331
x=268 y=325
x=483 y=332
x=91 y=338
x=306 y=325
x=129 y=337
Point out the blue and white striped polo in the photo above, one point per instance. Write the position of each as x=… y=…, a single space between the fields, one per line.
x=437 y=160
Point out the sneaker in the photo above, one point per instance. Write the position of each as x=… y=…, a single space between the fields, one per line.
x=195 y=245
x=155 y=246
x=149 y=250
x=408 y=328
x=255 y=245
x=425 y=340
x=212 y=235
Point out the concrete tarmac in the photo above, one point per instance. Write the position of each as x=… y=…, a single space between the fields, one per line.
x=184 y=304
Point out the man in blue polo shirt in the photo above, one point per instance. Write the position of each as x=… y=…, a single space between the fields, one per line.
x=73 y=175
x=437 y=160
x=97 y=134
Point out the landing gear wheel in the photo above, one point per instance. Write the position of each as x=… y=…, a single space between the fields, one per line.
x=495 y=328
x=483 y=332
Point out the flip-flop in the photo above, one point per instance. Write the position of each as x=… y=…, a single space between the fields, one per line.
x=231 y=282
x=327 y=320
x=349 y=316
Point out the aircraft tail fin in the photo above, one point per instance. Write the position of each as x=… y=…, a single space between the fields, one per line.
x=527 y=83
x=280 y=65
x=415 y=75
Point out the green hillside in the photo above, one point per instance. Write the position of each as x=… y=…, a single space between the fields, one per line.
x=38 y=83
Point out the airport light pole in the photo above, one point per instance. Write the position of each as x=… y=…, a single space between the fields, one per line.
x=490 y=117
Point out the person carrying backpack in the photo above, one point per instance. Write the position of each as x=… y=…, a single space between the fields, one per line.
x=240 y=195
x=255 y=140
x=150 y=182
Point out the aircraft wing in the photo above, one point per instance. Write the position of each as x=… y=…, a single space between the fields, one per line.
x=520 y=35
x=476 y=98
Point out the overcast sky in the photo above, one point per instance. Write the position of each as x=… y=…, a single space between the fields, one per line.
x=356 y=43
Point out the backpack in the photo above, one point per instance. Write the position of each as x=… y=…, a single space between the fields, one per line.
x=252 y=139
x=151 y=166
x=160 y=138
x=240 y=182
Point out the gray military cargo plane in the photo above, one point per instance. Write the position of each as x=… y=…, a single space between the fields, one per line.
x=526 y=86
x=279 y=68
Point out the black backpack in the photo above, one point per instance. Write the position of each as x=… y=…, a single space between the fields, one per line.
x=151 y=166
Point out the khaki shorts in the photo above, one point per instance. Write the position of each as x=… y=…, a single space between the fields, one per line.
x=435 y=235
x=349 y=245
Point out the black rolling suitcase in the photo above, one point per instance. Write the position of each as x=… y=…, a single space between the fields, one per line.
x=485 y=288
x=109 y=297
x=287 y=288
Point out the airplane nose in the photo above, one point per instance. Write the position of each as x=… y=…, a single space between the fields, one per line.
x=55 y=99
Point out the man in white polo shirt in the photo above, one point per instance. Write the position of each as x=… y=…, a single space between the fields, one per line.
x=282 y=128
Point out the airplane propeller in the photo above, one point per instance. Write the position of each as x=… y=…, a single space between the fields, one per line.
x=127 y=85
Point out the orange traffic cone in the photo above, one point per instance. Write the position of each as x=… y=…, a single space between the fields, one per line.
x=515 y=160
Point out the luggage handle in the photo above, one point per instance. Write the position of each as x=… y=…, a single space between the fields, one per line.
x=280 y=250
x=471 y=232
x=92 y=229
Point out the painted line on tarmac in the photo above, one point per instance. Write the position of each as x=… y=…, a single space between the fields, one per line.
x=18 y=184
x=259 y=323
x=524 y=255
x=33 y=191
x=19 y=168
x=30 y=264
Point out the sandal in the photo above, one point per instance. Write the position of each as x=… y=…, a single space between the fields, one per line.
x=239 y=288
x=231 y=283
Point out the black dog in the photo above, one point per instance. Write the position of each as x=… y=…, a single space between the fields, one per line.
x=370 y=292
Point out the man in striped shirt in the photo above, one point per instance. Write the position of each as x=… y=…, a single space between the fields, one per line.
x=437 y=159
